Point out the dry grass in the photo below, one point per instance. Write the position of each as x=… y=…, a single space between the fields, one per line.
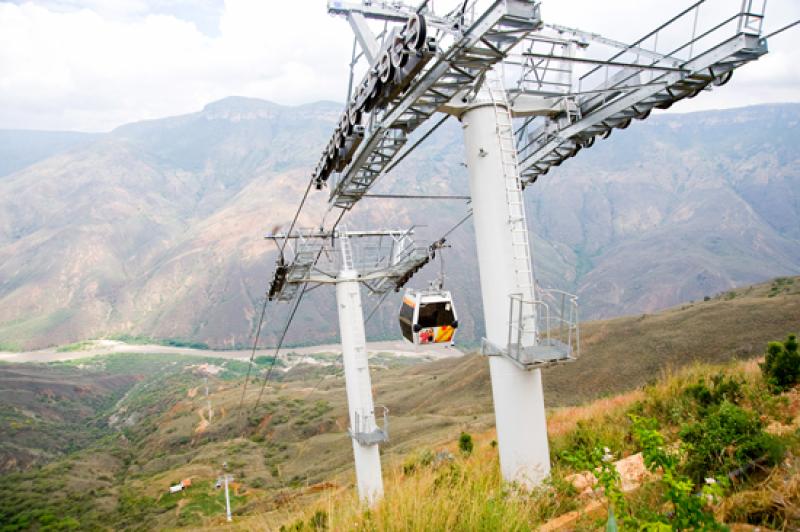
x=775 y=502
x=564 y=420
x=462 y=493
x=627 y=352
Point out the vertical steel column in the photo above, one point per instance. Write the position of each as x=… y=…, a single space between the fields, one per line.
x=517 y=393
x=358 y=385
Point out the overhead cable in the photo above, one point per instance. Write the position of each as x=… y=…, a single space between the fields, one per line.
x=289 y=321
x=296 y=216
x=781 y=30
x=280 y=344
x=253 y=354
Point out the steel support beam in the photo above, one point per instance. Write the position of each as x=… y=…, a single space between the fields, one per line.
x=365 y=37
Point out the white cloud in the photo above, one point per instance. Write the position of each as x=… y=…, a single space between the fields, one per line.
x=94 y=65
x=78 y=69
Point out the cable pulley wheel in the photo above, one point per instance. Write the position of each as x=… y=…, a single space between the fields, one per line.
x=719 y=81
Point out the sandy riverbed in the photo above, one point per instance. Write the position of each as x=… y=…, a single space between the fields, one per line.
x=104 y=347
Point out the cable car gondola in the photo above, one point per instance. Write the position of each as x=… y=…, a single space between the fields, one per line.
x=428 y=317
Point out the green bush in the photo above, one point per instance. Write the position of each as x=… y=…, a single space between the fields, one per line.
x=781 y=366
x=728 y=438
x=722 y=389
x=589 y=434
x=688 y=511
x=465 y=444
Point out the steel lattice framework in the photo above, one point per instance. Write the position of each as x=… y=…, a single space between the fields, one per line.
x=561 y=98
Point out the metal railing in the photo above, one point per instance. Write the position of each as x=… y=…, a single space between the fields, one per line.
x=669 y=48
x=365 y=429
x=671 y=38
x=544 y=329
x=563 y=324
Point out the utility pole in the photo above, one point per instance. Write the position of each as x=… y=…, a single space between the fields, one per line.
x=208 y=401
x=227 y=501
x=226 y=478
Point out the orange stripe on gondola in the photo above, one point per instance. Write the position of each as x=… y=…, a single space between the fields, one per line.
x=410 y=302
x=444 y=334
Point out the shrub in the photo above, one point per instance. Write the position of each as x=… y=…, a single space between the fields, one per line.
x=590 y=434
x=689 y=512
x=465 y=444
x=728 y=438
x=722 y=389
x=781 y=366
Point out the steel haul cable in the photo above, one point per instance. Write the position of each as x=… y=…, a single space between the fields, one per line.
x=289 y=321
x=253 y=354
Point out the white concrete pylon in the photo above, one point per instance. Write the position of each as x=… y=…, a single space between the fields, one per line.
x=358 y=385
x=517 y=393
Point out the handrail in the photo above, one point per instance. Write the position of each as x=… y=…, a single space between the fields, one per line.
x=653 y=32
x=528 y=146
x=738 y=14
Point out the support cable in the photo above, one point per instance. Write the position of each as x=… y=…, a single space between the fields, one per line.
x=280 y=344
x=253 y=354
x=289 y=321
x=464 y=219
x=781 y=30
x=266 y=299
x=296 y=216
x=377 y=305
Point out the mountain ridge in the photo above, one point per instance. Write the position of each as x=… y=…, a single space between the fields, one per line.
x=155 y=228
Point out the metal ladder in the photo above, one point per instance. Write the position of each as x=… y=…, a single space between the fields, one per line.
x=346 y=251
x=514 y=199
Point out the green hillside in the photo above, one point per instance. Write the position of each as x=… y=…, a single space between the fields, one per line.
x=130 y=426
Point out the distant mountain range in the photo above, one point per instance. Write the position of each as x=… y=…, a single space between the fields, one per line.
x=155 y=228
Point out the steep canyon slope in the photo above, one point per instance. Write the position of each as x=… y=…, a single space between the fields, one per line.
x=155 y=228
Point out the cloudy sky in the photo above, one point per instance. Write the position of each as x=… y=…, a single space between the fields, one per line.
x=95 y=64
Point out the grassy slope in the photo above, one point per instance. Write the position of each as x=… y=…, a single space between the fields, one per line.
x=296 y=437
x=465 y=492
x=47 y=413
x=624 y=353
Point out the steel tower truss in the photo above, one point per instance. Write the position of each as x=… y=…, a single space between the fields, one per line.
x=561 y=97
x=384 y=260
x=694 y=51
x=466 y=48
